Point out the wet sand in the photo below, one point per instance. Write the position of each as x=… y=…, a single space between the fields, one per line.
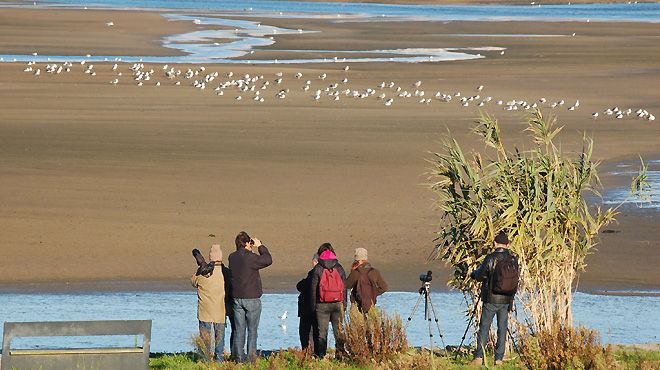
x=116 y=184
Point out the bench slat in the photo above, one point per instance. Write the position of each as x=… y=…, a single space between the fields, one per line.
x=72 y=351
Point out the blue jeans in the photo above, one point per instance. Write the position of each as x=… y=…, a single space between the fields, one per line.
x=488 y=311
x=246 y=317
x=205 y=329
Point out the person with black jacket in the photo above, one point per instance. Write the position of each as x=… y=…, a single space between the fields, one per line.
x=307 y=328
x=229 y=309
x=327 y=312
x=246 y=291
x=494 y=303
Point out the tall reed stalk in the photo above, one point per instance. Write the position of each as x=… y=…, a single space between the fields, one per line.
x=538 y=197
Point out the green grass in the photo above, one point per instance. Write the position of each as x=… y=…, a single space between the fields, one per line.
x=632 y=358
x=627 y=358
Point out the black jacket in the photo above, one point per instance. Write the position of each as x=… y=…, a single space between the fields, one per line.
x=226 y=274
x=484 y=274
x=304 y=286
x=245 y=266
x=316 y=276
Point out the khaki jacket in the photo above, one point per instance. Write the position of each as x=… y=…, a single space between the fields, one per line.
x=210 y=296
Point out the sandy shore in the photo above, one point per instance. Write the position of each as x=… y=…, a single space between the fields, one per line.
x=118 y=183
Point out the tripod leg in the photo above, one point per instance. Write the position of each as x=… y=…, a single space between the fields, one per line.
x=428 y=317
x=435 y=317
x=415 y=307
x=474 y=312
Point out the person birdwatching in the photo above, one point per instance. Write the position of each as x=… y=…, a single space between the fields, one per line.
x=364 y=281
x=229 y=309
x=499 y=275
x=328 y=298
x=211 y=313
x=307 y=328
x=246 y=291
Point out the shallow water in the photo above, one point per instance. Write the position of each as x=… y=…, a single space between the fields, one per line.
x=620 y=319
x=199 y=47
x=246 y=36
x=644 y=12
x=627 y=170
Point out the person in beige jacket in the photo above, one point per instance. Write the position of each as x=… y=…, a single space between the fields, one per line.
x=211 y=305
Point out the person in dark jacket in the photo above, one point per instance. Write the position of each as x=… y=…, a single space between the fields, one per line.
x=307 y=329
x=361 y=266
x=493 y=304
x=229 y=309
x=327 y=312
x=246 y=292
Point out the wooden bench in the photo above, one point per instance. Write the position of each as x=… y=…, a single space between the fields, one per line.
x=128 y=358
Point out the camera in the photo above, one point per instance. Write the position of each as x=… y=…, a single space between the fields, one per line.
x=426 y=278
x=203 y=268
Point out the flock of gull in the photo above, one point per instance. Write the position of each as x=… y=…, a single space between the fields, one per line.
x=260 y=88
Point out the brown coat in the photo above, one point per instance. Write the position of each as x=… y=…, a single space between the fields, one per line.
x=210 y=296
x=374 y=275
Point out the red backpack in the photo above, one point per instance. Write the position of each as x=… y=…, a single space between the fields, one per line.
x=331 y=286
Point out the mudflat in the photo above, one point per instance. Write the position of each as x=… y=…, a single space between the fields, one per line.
x=108 y=185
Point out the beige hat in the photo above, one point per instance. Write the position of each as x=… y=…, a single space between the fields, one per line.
x=360 y=254
x=216 y=253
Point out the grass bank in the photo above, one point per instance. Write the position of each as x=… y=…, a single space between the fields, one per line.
x=626 y=358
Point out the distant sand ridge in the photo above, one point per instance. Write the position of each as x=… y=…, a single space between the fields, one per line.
x=117 y=181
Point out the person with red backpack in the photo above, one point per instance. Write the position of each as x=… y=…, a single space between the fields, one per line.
x=328 y=297
x=499 y=275
x=365 y=282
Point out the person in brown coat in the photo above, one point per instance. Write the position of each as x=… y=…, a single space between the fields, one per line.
x=211 y=306
x=364 y=281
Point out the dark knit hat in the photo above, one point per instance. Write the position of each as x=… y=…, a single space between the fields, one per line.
x=502 y=238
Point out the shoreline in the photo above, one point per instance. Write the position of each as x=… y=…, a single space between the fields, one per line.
x=402 y=2
x=270 y=287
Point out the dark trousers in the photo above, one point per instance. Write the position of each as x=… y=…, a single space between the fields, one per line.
x=308 y=331
x=232 y=324
x=327 y=313
x=488 y=311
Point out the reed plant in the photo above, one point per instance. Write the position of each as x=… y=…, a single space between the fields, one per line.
x=538 y=197
x=372 y=338
x=201 y=346
x=566 y=347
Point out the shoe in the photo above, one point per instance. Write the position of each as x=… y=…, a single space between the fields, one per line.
x=498 y=362
x=478 y=361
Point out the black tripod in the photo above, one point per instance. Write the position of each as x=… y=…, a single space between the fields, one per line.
x=425 y=292
x=474 y=313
